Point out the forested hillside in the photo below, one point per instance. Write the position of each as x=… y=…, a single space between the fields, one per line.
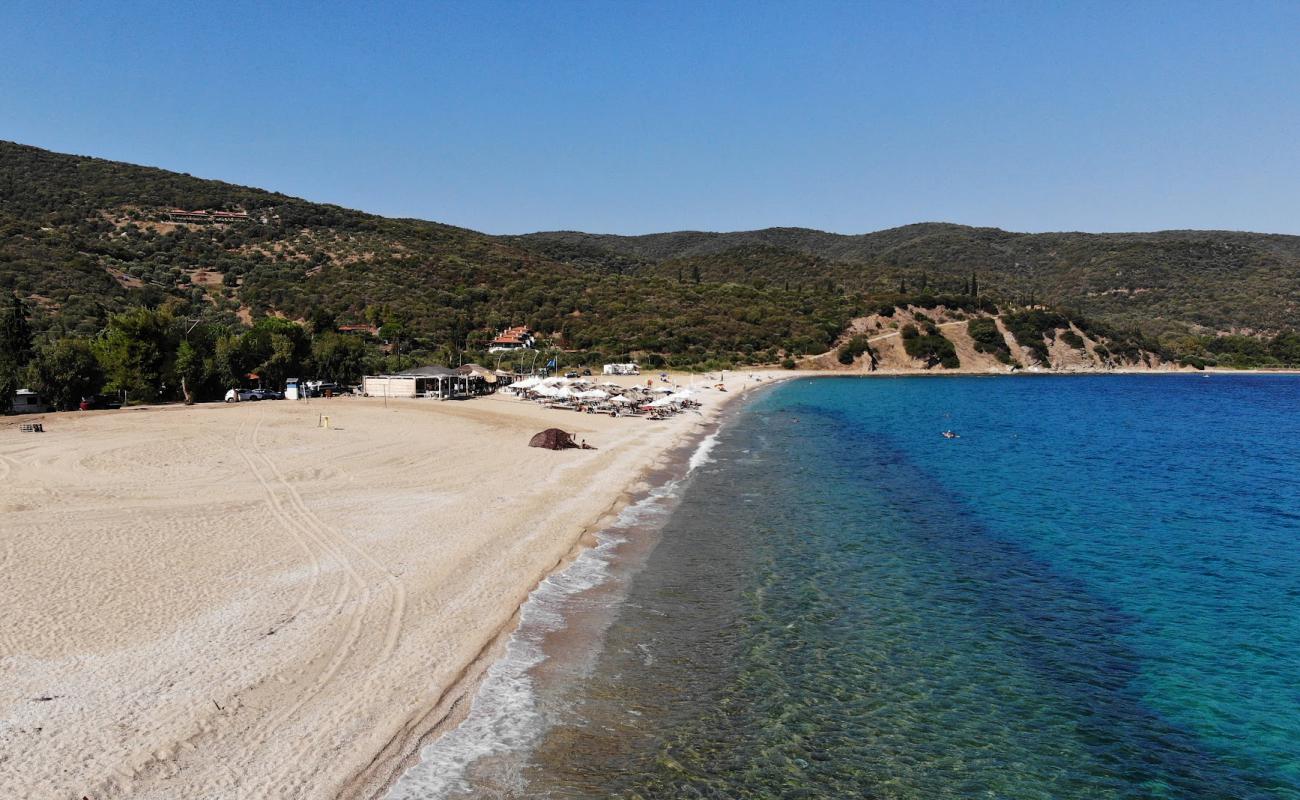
x=108 y=275
x=83 y=238
x=1166 y=283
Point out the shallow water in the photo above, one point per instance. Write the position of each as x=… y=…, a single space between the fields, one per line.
x=1090 y=594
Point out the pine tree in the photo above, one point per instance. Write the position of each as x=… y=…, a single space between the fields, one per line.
x=15 y=351
x=974 y=286
x=16 y=335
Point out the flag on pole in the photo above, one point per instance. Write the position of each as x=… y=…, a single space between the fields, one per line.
x=551 y=363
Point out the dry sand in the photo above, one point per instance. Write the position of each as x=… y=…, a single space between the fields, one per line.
x=227 y=601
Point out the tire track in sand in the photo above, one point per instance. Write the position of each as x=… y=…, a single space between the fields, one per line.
x=318 y=553
x=293 y=510
x=394 y=622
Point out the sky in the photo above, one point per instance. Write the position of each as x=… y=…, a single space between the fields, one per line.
x=622 y=117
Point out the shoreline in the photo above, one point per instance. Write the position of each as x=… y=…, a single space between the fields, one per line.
x=673 y=464
x=681 y=453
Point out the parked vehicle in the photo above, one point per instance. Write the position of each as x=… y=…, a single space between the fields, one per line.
x=570 y=374
x=25 y=401
x=241 y=395
x=266 y=394
x=586 y=373
x=99 y=401
x=324 y=389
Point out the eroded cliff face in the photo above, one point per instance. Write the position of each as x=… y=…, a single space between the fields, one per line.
x=1064 y=348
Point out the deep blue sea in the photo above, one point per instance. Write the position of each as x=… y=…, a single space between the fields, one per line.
x=1094 y=592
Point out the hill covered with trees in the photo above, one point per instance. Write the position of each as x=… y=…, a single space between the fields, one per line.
x=83 y=238
x=106 y=280
x=1168 y=283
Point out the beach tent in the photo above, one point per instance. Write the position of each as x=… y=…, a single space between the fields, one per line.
x=552 y=439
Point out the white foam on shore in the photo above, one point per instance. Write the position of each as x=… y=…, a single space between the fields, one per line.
x=702 y=456
x=505 y=718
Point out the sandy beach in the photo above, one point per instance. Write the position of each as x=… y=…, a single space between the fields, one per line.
x=230 y=601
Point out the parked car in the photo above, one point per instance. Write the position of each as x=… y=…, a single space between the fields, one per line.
x=99 y=401
x=570 y=374
x=323 y=389
x=240 y=395
x=266 y=394
x=586 y=373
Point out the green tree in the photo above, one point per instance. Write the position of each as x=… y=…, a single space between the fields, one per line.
x=338 y=358
x=137 y=354
x=190 y=369
x=1285 y=347
x=65 y=372
x=275 y=349
x=15 y=350
x=16 y=334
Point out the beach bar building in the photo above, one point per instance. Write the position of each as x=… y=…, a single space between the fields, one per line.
x=430 y=381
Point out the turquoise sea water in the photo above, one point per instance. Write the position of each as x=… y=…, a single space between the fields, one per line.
x=1093 y=593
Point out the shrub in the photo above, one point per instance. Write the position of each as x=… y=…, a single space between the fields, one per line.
x=1073 y=339
x=988 y=339
x=853 y=348
x=1032 y=327
x=933 y=348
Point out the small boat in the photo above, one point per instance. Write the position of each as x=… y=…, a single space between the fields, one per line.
x=950 y=435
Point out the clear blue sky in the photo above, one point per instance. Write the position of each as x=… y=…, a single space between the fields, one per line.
x=631 y=118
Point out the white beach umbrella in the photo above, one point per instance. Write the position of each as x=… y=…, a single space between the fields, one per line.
x=623 y=401
x=662 y=390
x=546 y=391
x=662 y=402
x=526 y=383
x=592 y=394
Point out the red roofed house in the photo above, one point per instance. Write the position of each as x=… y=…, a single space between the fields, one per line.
x=512 y=339
x=207 y=217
